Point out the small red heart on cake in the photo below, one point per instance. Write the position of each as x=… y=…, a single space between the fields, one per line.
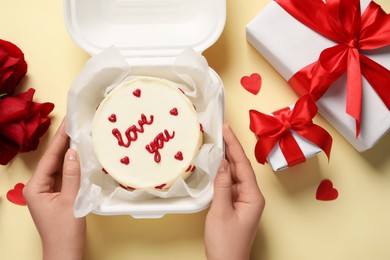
x=191 y=168
x=137 y=92
x=252 y=83
x=326 y=192
x=112 y=118
x=16 y=196
x=125 y=160
x=126 y=187
x=160 y=187
x=179 y=156
x=174 y=111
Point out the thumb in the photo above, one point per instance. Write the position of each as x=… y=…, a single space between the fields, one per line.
x=222 y=201
x=70 y=175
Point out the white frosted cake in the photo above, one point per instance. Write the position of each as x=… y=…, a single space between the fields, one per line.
x=146 y=134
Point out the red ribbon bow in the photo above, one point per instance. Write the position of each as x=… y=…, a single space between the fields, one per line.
x=273 y=129
x=342 y=22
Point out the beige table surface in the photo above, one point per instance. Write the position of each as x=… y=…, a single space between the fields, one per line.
x=294 y=226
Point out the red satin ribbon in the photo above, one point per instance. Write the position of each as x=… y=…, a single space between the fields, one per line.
x=342 y=22
x=273 y=129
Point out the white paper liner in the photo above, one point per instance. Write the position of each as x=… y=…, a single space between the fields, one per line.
x=102 y=73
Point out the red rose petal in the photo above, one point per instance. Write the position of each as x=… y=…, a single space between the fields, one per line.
x=14 y=132
x=8 y=150
x=11 y=48
x=23 y=122
x=13 y=67
x=13 y=108
x=32 y=138
x=44 y=109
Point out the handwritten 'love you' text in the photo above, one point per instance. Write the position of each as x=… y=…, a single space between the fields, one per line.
x=158 y=143
x=131 y=133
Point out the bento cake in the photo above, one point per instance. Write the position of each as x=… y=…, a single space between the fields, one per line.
x=146 y=134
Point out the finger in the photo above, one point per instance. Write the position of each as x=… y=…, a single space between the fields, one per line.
x=222 y=201
x=51 y=162
x=70 y=175
x=243 y=171
x=234 y=151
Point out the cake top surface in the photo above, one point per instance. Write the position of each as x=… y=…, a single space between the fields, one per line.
x=146 y=133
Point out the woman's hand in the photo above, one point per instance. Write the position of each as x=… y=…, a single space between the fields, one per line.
x=232 y=220
x=50 y=195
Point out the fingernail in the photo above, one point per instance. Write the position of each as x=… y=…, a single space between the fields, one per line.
x=223 y=166
x=71 y=155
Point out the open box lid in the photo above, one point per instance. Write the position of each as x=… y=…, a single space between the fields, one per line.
x=145 y=28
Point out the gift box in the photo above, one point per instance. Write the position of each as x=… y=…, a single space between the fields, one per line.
x=288 y=137
x=127 y=39
x=290 y=46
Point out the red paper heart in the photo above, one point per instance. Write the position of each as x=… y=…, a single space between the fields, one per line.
x=252 y=83
x=179 y=156
x=137 y=92
x=174 y=112
x=16 y=196
x=125 y=160
x=325 y=191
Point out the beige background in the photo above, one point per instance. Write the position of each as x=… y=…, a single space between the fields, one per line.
x=294 y=224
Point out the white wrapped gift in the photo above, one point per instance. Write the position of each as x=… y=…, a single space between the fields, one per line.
x=288 y=46
x=292 y=134
x=278 y=162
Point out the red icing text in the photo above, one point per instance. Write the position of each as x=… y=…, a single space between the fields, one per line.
x=158 y=143
x=132 y=132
